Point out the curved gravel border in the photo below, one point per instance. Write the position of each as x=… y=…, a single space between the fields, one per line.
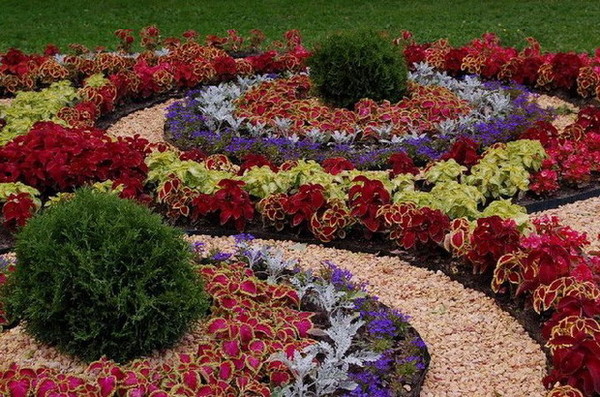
x=476 y=348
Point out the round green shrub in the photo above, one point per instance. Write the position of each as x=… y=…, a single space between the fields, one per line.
x=349 y=66
x=102 y=276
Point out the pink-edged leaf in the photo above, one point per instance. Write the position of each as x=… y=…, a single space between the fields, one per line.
x=191 y=379
x=246 y=333
x=249 y=287
x=279 y=378
x=19 y=388
x=253 y=363
x=303 y=326
x=257 y=346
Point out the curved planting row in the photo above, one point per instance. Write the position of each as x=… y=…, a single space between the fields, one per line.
x=577 y=74
x=272 y=330
x=452 y=202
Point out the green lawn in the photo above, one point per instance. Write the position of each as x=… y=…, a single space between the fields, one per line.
x=560 y=25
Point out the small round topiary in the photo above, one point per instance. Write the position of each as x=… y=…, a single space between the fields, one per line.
x=349 y=66
x=102 y=276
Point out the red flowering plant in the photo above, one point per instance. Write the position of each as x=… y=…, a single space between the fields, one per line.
x=302 y=205
x=552 y=252
x=255 y=160
x=335 y=165
x=464 y=151
x=365 y=197
x=410 y=225
x=576 y=73
x=17 y=209
x=53 y=158
x=326 y=219
x=402 y=163
x=230 y=202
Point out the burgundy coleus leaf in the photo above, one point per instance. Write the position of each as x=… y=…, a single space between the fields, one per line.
x=19 y=388
x=191 y=379
x=249 y=287
x=231 y=348
x=280 y=378
x=226 y=371
x=218 y=326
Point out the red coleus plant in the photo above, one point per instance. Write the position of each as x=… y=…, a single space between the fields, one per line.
x=255 y=160
x=231 y=202
x=488 y=58
x=492 y=237
x=335 y=165
x=464 y=152
x=17 y=209
x=402 y=164
x=305 y=203
x=195 y=154
x=576 y=361
x=410 y=225
x=53 y=158
x=365 y=198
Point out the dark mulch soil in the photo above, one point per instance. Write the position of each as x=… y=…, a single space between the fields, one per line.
x=566 y=195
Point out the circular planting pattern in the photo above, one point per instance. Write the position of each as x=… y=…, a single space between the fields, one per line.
x=373 y=219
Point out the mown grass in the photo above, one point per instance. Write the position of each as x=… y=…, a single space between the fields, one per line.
x=560 y=25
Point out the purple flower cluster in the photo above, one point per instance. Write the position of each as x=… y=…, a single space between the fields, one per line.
x=382 y=323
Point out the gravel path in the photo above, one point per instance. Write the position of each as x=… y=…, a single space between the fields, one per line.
x=149 y=123
x=476 y=348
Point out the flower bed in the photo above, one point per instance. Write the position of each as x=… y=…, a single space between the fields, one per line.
x=278 y=119
x=542 y=261
x=268 y=325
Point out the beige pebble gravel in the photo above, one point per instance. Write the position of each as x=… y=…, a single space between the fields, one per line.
x=148 y=122
x=477 y=349
x=560 y=121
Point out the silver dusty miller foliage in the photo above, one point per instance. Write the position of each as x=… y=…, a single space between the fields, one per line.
x=322 y=368
x=217 y=105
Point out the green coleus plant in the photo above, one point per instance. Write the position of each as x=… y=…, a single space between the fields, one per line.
x=508 y=210
x=457 y=200
x=505 y=169
x=163 y=165
x=96 y=81
x=262 y=181
x=15 y=188
x=30 y=107
x=444 y=171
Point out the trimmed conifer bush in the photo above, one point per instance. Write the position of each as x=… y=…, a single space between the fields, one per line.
x=349 y=66
x=102 y=276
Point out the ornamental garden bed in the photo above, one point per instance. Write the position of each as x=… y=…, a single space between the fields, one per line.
x=266 y=147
